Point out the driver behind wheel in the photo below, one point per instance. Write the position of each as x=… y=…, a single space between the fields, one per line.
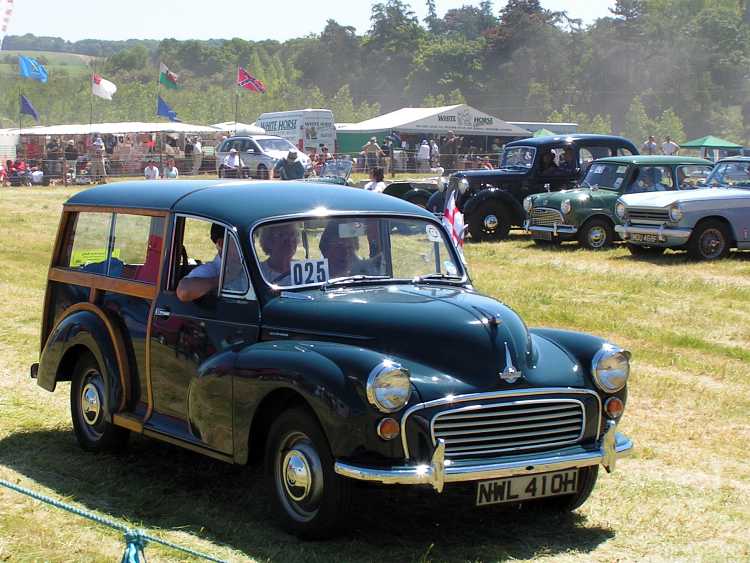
x=204 y=278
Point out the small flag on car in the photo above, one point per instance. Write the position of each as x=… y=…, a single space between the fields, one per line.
x=248 y=81
x=453 y=220
x=167 y=77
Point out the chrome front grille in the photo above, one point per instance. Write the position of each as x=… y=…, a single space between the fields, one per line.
x=545 y=217
x=476 y=431
x=646 y=215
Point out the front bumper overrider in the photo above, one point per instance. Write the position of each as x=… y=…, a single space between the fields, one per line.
x=439 y=471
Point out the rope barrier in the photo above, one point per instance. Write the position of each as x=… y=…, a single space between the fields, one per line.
x=135 y=539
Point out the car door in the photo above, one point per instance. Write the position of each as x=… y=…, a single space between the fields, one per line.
x=193 y=344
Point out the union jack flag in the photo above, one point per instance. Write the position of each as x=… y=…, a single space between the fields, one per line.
x=248 y=81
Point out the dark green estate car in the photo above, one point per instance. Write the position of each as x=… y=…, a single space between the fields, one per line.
x=587 y=214
x=332 y=333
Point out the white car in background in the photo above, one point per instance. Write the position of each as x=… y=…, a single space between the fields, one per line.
x=259 y=154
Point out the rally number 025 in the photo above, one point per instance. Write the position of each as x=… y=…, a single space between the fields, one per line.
x=312 y=271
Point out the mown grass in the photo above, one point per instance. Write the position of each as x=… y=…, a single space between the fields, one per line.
x=683 y=495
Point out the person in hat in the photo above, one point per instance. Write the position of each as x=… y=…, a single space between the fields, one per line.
x=423 y=156
x=449 y=151
x=372 y=152
x=232 y=165
x=289 y=168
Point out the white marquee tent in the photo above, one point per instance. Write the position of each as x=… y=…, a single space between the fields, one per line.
x=116 y=128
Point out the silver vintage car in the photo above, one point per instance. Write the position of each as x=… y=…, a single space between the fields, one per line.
x=707 y=223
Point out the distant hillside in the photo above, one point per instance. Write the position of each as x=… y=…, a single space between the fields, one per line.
x=71 y=62
x=91 y=47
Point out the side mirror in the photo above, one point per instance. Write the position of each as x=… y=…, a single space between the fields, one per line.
x=251 y=151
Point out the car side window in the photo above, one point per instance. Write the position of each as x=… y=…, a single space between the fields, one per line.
x=225 y=146
x=87 y=243
x=651 y=179
x=254 y=146
x=690 y=177
x=622 y=151
x=235 y=278
x=136 y=248
x=591 y=153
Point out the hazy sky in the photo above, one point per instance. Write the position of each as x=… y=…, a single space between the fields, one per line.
x=248 y=19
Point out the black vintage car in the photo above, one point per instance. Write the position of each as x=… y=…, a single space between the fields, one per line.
x=297 y=323
x=492 y=200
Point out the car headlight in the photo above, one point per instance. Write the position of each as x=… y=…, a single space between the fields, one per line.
x=442 y=184
x=620 y=210
x=528 y=204
x=611 y=368
x=675 y=213
x=565 y=207
x=388 y=386
x=463 y=185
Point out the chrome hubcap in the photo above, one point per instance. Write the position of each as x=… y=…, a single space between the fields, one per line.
x=490 y=222
x=597 y=237
x=91 y=404
x=297 y=477
x=711 y=243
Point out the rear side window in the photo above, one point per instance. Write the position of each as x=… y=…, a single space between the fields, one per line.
x=587 y=154
x=120 y=246
x=622 y=151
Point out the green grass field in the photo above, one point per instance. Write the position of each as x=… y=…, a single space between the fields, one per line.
x=71 y=62
x=684 y=495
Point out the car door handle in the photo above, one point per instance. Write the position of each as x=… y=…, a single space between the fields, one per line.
x=162 y=312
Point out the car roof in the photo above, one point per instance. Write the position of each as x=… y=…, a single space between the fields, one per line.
x=654 y=160
x=243 y=203
x=572 y=138
x=252 y=137
x=735 y=159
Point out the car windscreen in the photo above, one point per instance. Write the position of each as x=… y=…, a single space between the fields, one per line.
x=338 y=168
x=275 y=145
x=607 y=176
x=514 y=157
x=731 y=174
x=306 y=252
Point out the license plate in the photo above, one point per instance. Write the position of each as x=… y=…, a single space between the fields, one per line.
x=526 y=487
x=638 y=237
x=543 y=235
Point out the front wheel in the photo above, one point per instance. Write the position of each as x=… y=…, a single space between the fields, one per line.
x=262 y=172
x=489 y=222
x=596 y=234
x=88 y=404
x=309 y=499
x=710 y=241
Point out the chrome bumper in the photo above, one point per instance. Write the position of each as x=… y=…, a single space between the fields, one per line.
x=661 y=233
x=439 y=471
x=555 y=229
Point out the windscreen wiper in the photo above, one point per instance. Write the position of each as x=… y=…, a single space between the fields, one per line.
x=347 y=279
x=435 y=276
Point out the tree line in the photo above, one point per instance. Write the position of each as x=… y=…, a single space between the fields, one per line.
x=677 y=67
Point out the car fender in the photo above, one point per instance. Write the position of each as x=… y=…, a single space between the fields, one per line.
x=86 y=328
x=404 y=190
x=329 y=377
x=499 y=195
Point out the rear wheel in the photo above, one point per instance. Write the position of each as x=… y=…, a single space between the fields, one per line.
x=645 y=251
x=596 y=234
x=262 y=172
x=710 y=241
x=88 y=405
x=309 y=498
x=490 y=222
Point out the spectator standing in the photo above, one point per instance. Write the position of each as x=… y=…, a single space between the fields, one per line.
x=151 y=172
x=372 y=152
x=450 y=151
x=54 y=156
x=4 y=175
x=376 y=183
x=71 y=155
x=290 y=168
x=423 y=157
x=98 y=169
x=649 y=146
x=387 y=149
x=669 y=147
x=197 y=155
x=170 y=170
x=434 y=153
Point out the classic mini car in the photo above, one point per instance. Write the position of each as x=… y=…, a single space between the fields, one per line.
x=296 y=324
x=259 y=154
x=491 y=200
x=587 y=214
x=706 y=223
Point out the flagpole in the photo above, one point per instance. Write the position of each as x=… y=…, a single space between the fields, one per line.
x=236 y=102
x=91 y=92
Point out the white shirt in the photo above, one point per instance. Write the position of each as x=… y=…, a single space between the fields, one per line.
x=272 y=276
x=36 y=177
x=197 y=147
x=424 y=152
x=232 y=160
x=210 y=269
x=234 y=277
x=669 y=148
x=151 y=173
x=375 y=186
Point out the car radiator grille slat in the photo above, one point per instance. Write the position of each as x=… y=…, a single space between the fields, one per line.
x=648 y=215
x=545 y=217
x=482 y=430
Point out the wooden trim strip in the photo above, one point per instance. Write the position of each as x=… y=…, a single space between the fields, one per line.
x=96 y=281
x=117 y=342
x=46 y=324
x=126 y=421
x=149 y=389
x=122 y=210
x=187 y=445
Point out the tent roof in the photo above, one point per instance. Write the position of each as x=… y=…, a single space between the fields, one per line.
x=544 y=133
x=116 y=128
x=239 y=127
x=709 y=141
x=461 y=118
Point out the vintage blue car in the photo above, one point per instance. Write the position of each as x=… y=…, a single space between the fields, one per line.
x=707 y=223
x=298 y=324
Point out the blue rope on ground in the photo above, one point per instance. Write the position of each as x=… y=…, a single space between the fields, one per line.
x=136 y=540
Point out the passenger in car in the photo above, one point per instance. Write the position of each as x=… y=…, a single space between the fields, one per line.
x=548 y=166
x=568 y=161
x=205 y=277
x=279 y=242
x=341 y=253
